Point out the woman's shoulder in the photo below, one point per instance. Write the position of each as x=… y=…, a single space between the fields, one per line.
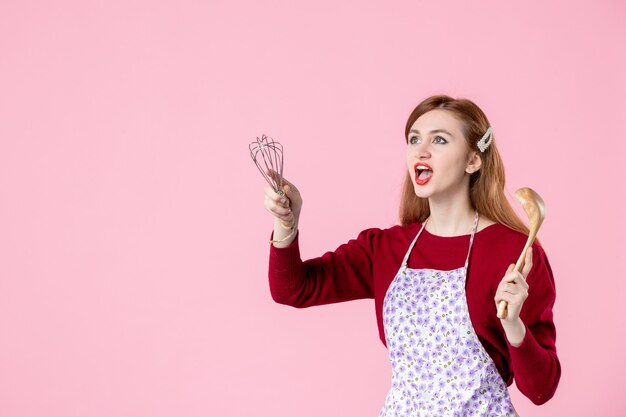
x=502 y=233
x=392 y=230
x=392 y=235
x=501 y=240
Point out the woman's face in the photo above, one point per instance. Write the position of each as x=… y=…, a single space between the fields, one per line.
x=436 y=142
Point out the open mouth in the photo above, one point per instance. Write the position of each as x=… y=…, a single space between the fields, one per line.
x=423 y=173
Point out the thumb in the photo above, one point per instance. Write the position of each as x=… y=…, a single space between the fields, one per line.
x=290 y=190
x=510 y=268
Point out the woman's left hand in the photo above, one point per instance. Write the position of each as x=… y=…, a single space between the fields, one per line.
x=513 y=289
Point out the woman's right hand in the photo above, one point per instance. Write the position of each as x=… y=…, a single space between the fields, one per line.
x=286 y=208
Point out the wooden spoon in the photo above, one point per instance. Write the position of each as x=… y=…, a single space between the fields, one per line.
x=535 y=208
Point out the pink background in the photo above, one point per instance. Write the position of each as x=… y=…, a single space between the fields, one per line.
x=133 y=238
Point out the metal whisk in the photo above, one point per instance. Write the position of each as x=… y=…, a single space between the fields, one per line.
x=268 y=154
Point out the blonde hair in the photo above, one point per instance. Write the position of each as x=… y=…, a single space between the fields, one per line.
x=486 y=187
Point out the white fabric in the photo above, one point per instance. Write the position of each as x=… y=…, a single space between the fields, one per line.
x=439 y=367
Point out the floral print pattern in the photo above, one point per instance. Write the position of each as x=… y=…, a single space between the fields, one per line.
x=439 y=367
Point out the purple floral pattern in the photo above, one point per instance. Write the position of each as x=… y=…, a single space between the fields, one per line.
x=439 y=367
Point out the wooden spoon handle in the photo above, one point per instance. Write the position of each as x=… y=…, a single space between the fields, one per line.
x=502 y=309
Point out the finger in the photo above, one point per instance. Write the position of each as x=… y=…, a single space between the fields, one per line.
x=284 y=200
x=500 y=296
x=284 y=217
x=276 y=207
x=507 y=277
x=512 y=276
x=271 y=193
x=290 y=191
x=516 y=296
x=498 y=300
x=516 y=278
x=506 y=289
x=522 y=281
x=279 y=211
x=275 y=197
x=509 y=298
x=516 y=288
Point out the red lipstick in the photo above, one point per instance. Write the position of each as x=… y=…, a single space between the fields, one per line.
x=419 y=168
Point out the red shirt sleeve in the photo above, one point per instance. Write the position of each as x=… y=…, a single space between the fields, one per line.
x=342 y=275
x=535 y=365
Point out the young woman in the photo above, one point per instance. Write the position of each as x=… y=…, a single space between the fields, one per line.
x=438 y=277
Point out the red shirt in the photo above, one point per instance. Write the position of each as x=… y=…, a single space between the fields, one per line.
x=364 y=268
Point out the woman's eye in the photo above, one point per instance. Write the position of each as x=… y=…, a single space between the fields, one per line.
x=413 y=140
x=440 y=141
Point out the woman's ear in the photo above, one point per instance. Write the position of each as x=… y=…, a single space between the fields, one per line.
x=474 y=164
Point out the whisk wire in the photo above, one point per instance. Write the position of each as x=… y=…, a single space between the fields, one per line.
x=271 y=153
x=267 y=155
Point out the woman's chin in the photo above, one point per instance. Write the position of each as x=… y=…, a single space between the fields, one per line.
x=420 y=192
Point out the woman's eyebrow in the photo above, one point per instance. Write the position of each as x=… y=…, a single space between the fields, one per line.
x=434 y=131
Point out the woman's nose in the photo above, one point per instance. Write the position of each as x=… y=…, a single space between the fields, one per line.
x=422 y=151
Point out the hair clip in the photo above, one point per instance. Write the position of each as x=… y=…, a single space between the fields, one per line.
x=483 y=144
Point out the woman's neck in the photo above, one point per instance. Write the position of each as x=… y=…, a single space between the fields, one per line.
x=450 y=218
